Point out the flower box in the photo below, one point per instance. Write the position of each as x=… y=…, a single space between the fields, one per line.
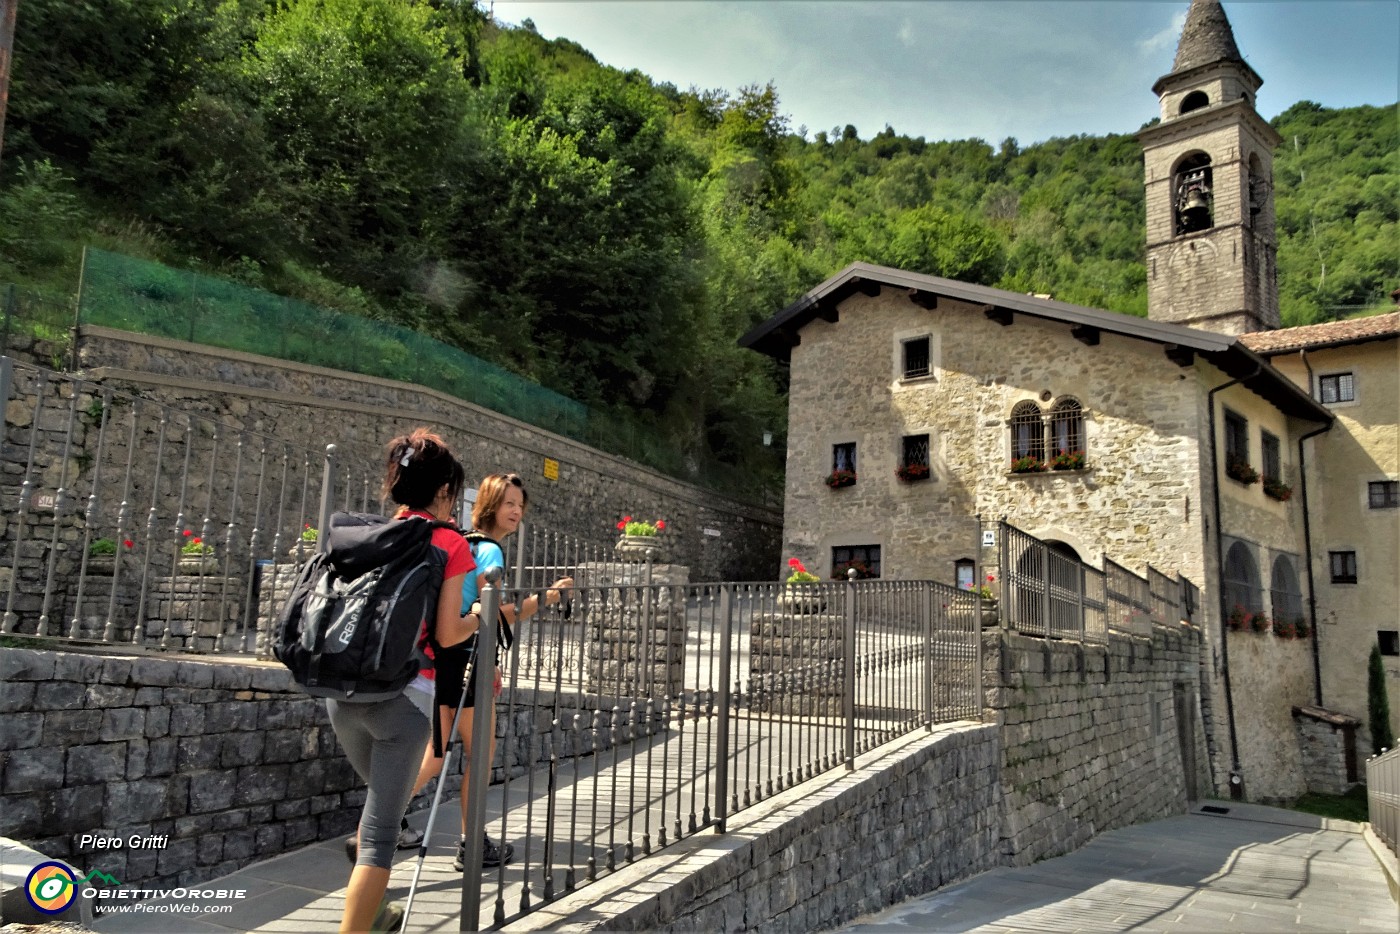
x=1068 y=460
x=912 y=473
x=841 y=478
x=1277 y=489
x=1028 y=464
x=1240 y=470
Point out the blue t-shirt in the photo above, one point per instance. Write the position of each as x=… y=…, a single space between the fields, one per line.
x=487 y=556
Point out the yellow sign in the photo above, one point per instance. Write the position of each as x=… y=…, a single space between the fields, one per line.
x=551 y=469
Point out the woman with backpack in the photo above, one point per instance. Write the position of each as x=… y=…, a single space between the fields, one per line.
x=382 y=739
x=500 y=506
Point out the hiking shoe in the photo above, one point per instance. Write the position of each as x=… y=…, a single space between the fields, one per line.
x=491 y=855
x=408 y=839
x=388 y=919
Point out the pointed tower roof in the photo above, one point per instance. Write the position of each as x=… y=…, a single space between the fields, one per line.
x=1206 y=38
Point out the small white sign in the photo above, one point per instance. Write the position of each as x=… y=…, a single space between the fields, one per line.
x=713 y=533
x=46 y=501
x=989 y=538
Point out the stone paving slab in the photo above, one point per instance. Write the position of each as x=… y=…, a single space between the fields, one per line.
x=1254 y=869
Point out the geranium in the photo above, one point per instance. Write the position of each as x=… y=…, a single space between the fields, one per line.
x=195 y=546
x=1238 y=469
x=839 y=478
x=308 y=534
x=1068 y=460
x=800 y=574
x=984 y=591
x=630 y=526
x=1028 y=464
x=910 y=473
x=1277 y=489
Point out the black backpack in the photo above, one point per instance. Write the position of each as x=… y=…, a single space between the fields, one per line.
x=352 y=628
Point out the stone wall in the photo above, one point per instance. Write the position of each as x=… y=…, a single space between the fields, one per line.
x=230 y=760
x=718 y=537
x=1090 y=739
x=1327 y=742
x=1269 y=676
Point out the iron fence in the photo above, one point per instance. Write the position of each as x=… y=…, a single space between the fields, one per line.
x=1050 y=593
x=1383 y=797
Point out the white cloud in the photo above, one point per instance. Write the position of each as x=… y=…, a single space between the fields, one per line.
x=1166 y=39
x=906 y=33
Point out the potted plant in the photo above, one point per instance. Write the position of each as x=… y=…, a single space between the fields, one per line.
x=102 y=555
x=1285 y=629
x=638 y=540
x=196 y=555
x=1259 y=622
x=990 y=615
x=912 y=473
x=1239 y=469
x=1068 y=460
x=840 y=478
x=798 y=596
x=1028 y=464
x=305 y=542
x=1277 y=489
x=1238 y=619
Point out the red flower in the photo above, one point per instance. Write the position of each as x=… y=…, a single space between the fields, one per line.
x=626 y=518
x=794 y=563
x=991 y=578
x=622 y=524
x=660 y=524
x=308 y=525
x=188 y=533
x=197 y=540
x=128 y=543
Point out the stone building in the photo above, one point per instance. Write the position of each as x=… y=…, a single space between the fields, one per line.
x=922 y=410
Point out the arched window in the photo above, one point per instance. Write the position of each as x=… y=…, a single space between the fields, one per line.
x=1027 y=431
x=1258 y=187
x=1194 y=101
x=1242 y=580
x=1067 y=430
x=1287 y=596
x=1192 y=201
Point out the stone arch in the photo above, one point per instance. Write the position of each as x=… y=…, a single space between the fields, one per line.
x=1240 y=582
x=1193 y=203
x=1194 y=101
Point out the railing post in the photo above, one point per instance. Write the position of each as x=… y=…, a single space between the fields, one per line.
x=7 y=377
x=479 y=775
x=1083 y=627
x=9 y=316
x=848 y=698
x=323 y=514
x=928 y=614
x=726 y=662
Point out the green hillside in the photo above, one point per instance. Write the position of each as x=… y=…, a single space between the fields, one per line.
x=585 y=227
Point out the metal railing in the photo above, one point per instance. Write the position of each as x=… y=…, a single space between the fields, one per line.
x=1383 y=797
x=1047 y=592
x=132 y=522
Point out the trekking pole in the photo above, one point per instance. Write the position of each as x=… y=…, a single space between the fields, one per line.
x=453 y=742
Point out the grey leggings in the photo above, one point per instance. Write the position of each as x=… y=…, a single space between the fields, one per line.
x=384 y=742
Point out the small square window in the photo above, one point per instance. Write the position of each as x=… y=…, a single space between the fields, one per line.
x=1336 y=387
x=1343 y=566
x=865 y=559
x=1389 y=640
x=1269 y=454
x=1384 y=494
x=916 y=357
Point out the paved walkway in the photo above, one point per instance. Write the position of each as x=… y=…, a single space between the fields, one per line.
x=1253 y=869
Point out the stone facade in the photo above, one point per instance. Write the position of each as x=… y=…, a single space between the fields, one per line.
x=1328 y=743
x=314 y=406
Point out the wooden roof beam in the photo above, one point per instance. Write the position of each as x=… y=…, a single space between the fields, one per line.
x=1086 y=334
x=923 y=299
x=1002 y=316
x=1181 y=356
x=866 y=286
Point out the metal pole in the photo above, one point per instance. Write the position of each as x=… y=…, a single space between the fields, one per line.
x=323 y=516
x=848 y=699
x=480 y=775
x=726 y=661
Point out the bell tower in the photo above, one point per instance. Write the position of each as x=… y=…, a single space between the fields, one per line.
x=1211 y=246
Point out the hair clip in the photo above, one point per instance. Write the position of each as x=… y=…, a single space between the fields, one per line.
x=407 y=455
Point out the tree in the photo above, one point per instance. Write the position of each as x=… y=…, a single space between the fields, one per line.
x=1378 y=704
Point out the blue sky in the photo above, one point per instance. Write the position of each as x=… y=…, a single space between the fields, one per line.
x=954 y=69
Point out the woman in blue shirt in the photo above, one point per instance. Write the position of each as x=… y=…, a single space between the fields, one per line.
x=500 y=506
